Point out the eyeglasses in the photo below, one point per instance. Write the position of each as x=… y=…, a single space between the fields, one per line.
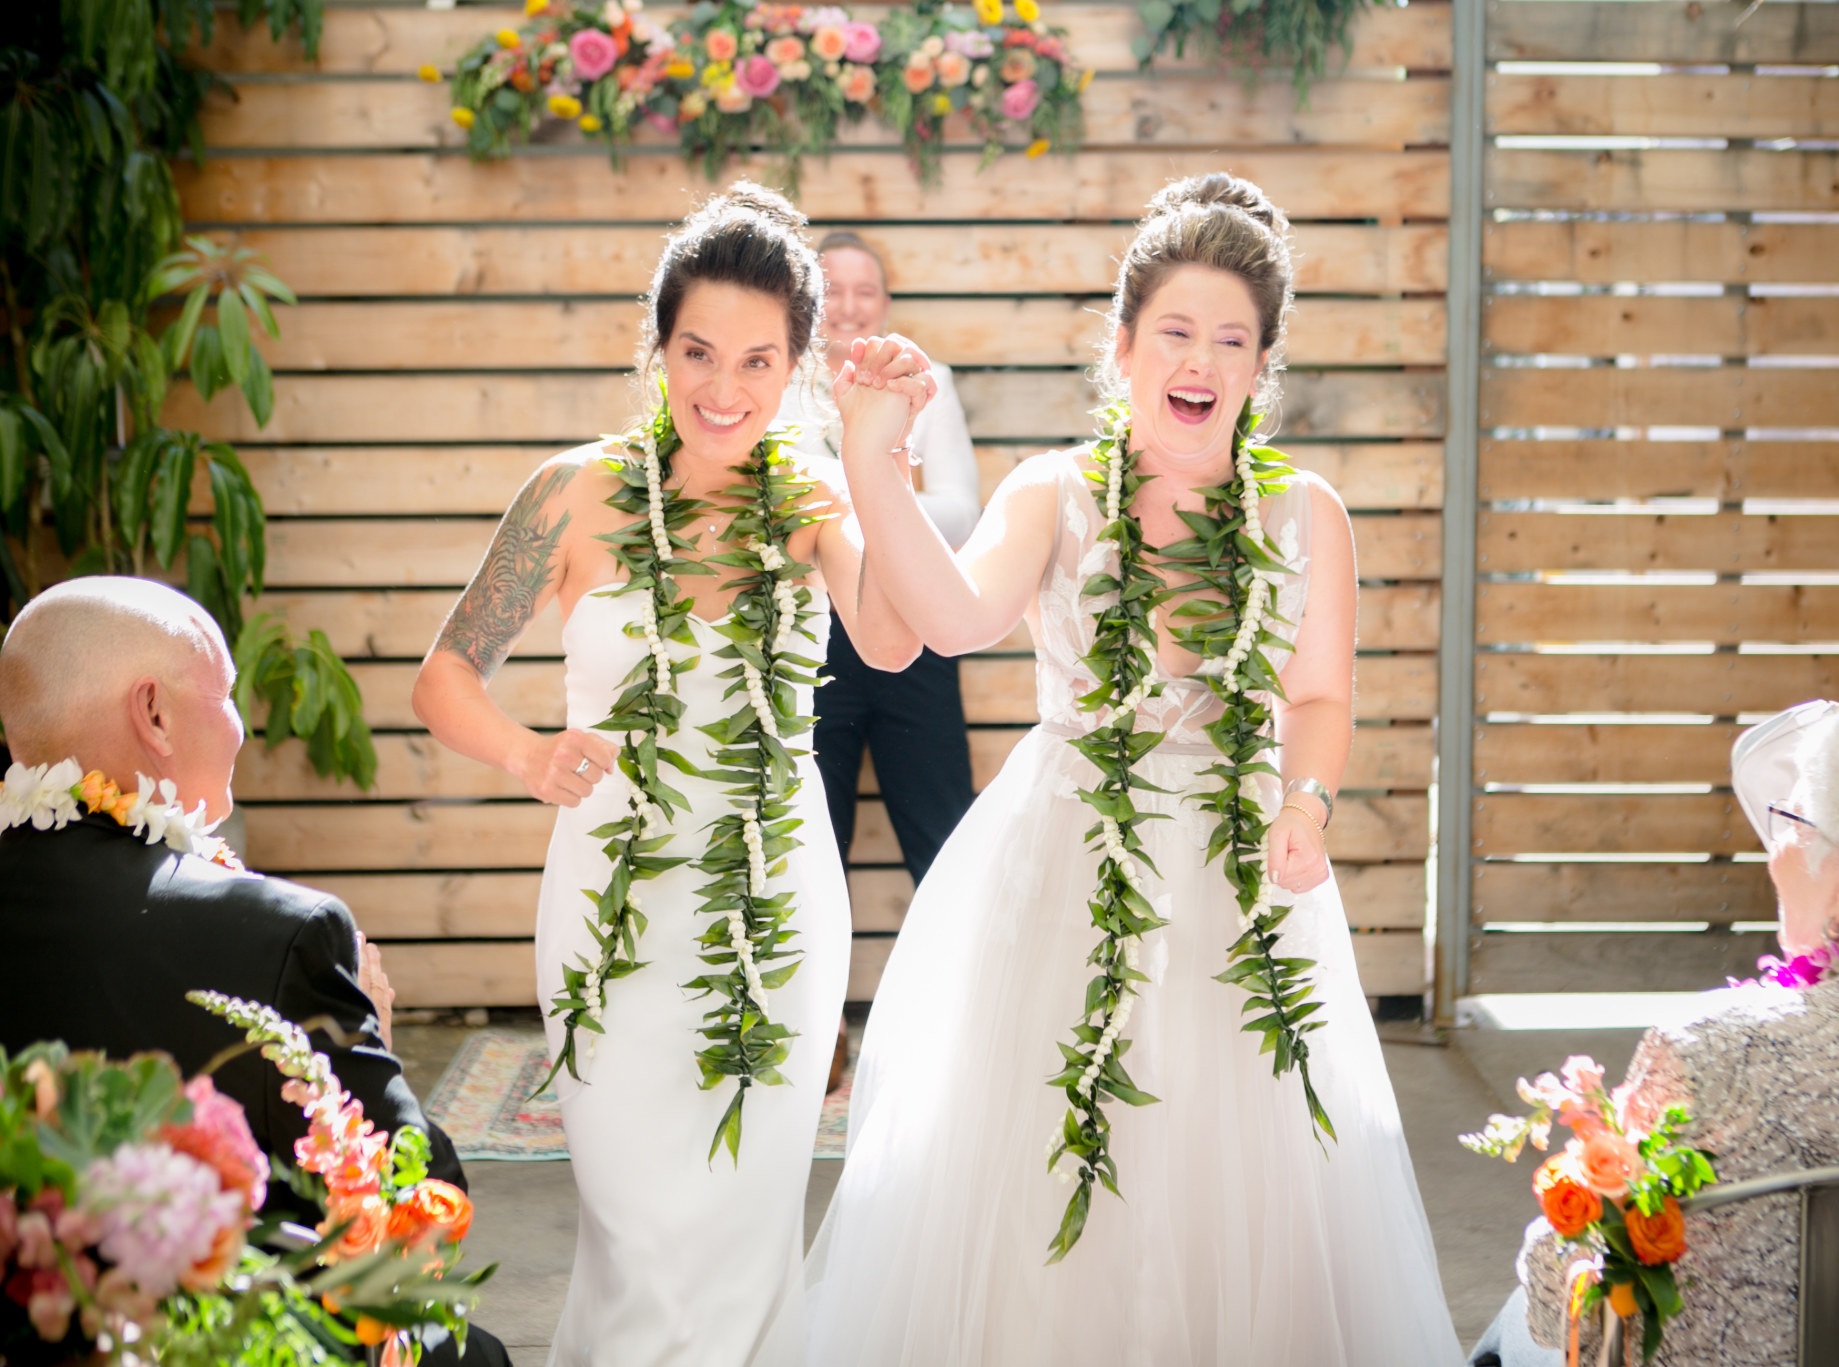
x=1785 y=824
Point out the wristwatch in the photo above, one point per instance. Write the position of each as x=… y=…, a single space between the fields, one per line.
x=1315 y=788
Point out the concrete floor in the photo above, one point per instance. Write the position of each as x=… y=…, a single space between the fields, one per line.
x=1446 y=1085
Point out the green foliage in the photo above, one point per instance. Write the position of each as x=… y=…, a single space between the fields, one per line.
x=105 y=304
x=1301 y=33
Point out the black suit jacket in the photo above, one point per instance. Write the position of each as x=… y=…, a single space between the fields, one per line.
x=102 y=935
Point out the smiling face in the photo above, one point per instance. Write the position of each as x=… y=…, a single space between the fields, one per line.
x=1191 y=361
x=855 y=299
x=727 y=365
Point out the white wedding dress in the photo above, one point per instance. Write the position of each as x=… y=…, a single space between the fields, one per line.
x=1237 y=1241
x=680 y=1262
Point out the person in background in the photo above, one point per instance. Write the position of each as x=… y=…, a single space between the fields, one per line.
x=912 y=722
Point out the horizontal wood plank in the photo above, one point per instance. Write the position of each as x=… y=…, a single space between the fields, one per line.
x=1716 y=892
x=493 y=973
x=1598 y=253
x=380 y=40
x=1725 y=397
x=421 y=187
x=482 y=260
x=1517 y=754
x=1603 y=470
x=1167 y=110
x=1681 y=31
x=1728 y=542
x=1593 y=823
x=1044 y=405
x=1713 y=685
x=1666 y=105
x=1646 y=325
x=1727 y=614
x=1612 y=961
x=1661 y=179
x=1392 y=964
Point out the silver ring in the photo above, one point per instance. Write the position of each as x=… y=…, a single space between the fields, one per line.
x=581 y=768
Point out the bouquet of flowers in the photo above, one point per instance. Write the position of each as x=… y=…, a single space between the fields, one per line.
x=131 y=1226
x=735 y=74
x=1612 y=1194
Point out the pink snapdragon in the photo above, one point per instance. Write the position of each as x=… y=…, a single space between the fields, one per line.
x=593 y=53
x=160 y=1212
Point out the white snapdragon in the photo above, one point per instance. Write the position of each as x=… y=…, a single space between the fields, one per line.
x=41 y=795
x=756 y=695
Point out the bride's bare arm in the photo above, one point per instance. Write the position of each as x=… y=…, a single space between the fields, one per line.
x=518 y=578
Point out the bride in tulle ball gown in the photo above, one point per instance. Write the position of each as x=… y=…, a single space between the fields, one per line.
x=1069 y=1143
x=692 y=937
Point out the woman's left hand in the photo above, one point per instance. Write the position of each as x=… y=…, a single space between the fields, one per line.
x=1299 y=852
x=882 y=387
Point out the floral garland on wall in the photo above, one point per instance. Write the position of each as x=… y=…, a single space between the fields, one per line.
x=739 y=74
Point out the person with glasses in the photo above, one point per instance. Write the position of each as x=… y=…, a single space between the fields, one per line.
x=1758 y=1071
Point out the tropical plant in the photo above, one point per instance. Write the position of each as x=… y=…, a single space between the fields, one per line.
x=98 y=98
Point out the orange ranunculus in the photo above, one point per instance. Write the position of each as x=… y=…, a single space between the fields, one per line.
x=369 y=1226
x=1660 y=1237
x=432 y=1211
x=1609 y=1162
x=1622 y=1299
x=1565 y=1197
x=226 y=1248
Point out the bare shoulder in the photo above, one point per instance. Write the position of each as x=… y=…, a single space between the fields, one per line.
x=1043 y=471
x=1322 y=495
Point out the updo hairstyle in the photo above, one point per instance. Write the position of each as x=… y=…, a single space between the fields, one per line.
x=1222 y=222
x=748 y=236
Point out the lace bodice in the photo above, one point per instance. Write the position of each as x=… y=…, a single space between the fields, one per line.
x=1063 y=622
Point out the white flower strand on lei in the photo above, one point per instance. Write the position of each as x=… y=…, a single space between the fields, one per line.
x=48 y=797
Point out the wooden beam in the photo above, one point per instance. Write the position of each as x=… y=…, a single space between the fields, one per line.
x=1601 y=253
x=1662 y=179
x=1727 y=397
x=1678 y=31
x=1667 y=105
x=1600 y=753
x=1391 y=964
x=488 y=973
x=1726 y=471
x=1714 y=685
x=1041 y=258
x=422 y=187
x=1601 y=823
x=1611 y=961
x=1719 y=892
x=1166 y=110
x=1647 y=325
x=378 y=40
x=1045 y=405
x=1510 y=543
x=1724 y=613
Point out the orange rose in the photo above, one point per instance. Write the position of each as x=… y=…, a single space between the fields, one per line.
x=917 y=73
x=1609 y=1162
x=226 y=1248
x=829 y=44
x=432 y=1211
x=369 y=1226
x=1660 y=1237
x=1566 y=1199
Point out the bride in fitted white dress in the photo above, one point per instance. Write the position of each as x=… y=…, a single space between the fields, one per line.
x=669 y=1262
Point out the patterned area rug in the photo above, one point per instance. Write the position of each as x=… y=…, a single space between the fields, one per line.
x=483 y=1101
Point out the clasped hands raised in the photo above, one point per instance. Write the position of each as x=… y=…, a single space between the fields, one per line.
x=881 y=389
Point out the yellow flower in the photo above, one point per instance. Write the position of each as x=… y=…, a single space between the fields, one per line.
x=989 y=11
x=589 y=123
x=463 y=117
x=535 y=6
x=941 y=105
x=680 y=69
x=716 y=76
x=1085 y=79
x=1027 y=11
x=565 y=106
x=429 y=72
x=507 y=38
x=1039 y=147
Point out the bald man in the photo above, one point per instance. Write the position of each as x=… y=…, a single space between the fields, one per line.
x=101 y=934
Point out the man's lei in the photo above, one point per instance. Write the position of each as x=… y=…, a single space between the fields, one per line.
x=48 y=797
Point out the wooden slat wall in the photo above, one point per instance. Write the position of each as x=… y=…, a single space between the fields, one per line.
x=1660 y=414
x=460 y=322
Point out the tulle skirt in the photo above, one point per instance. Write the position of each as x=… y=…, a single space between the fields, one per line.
x=1239 y=1238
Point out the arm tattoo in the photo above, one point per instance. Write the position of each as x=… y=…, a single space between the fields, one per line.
x=502 y=597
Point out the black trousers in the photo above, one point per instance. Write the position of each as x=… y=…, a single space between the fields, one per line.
x=913 y=725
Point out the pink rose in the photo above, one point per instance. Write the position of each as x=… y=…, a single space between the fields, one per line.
x=721 y=44
x=757 y=76
x=861 y=42
x=858 y=84
x=1609 y=1163
x=593 y=53
x=1020 y=99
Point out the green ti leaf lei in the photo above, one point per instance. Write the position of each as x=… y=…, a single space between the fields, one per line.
x=1223 y=616
x=769 y=649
